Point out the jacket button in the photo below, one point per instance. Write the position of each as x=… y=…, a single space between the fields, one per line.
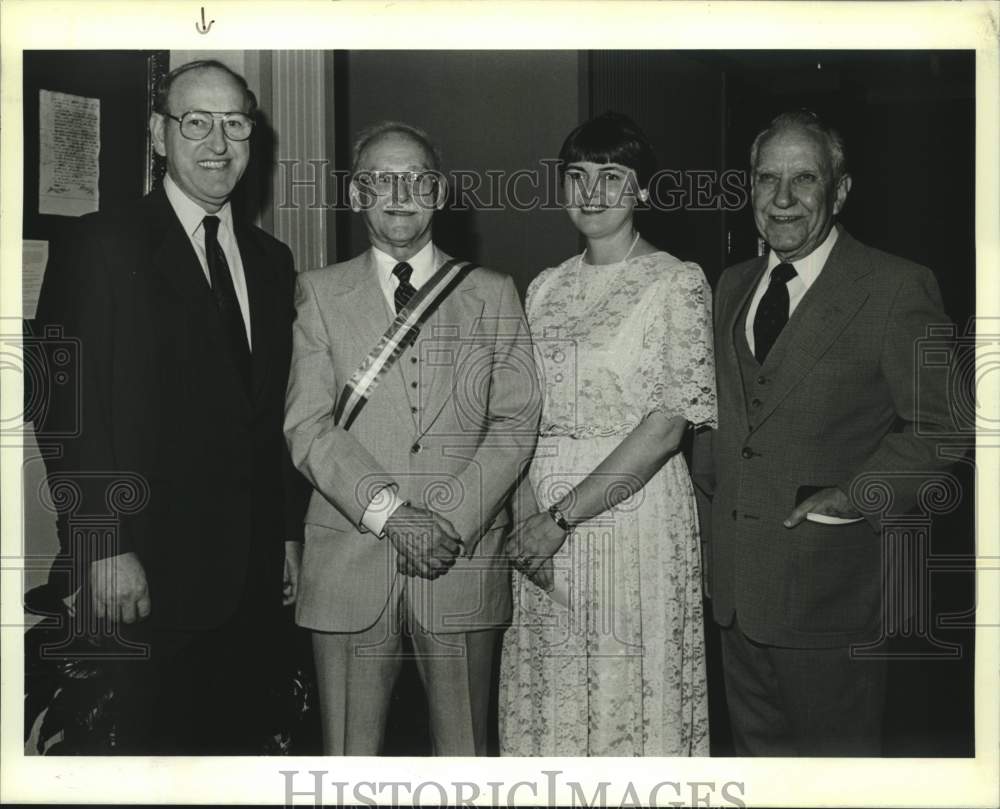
x=746 y=452
x=416 y=448
x=734 y=513
x=413 y=384
x=413 y=360
x=761 y=380
x=414 y=409
x=756 y=403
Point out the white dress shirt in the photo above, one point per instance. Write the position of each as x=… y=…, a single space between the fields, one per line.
x=806 y=272
x=191 y=214
x=424 y=264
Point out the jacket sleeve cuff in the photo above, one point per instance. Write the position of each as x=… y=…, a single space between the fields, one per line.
x=873 y=518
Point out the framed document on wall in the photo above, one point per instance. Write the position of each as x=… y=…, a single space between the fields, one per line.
x=86 y=138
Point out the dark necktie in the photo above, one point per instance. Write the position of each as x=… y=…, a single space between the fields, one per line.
x=405 y=290
x=772 y=313
x=225 y=298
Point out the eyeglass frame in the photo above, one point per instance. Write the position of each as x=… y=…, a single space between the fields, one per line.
x=408 y=178
x=215 y=116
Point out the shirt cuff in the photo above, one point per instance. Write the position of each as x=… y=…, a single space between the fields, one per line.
x=380 y=509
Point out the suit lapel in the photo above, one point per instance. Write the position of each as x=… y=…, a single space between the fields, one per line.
x=364 y=310
x=263 y=312
x=817 y=322
x=174 y=259
x=367 y=317
x=730 y=323
x=435 y=330
x=455 y=320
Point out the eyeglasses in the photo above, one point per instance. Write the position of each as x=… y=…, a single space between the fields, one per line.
x=418 y=183
x=198 y=124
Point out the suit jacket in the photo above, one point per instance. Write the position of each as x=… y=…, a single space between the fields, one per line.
x=836 y=402
x=208 y=486
x=452 y=425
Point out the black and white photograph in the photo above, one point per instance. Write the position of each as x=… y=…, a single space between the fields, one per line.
x=540 y=403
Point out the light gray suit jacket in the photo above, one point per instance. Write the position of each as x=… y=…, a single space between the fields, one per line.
x=452 y=425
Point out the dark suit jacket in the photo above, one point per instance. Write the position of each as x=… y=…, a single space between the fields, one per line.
x=207 y=495
x=836 y=403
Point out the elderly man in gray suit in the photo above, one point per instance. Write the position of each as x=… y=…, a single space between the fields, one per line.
x=815 y=356
x=412 y=408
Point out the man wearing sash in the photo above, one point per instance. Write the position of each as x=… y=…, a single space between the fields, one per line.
x=412 y=408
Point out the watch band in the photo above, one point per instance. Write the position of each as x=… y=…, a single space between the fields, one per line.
x=560 y=519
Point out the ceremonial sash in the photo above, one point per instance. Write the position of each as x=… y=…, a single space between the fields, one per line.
x=400 y=334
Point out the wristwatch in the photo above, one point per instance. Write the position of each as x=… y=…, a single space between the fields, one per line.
x=560 y=519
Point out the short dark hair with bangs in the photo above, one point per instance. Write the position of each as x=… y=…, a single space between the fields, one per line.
x=610 y=138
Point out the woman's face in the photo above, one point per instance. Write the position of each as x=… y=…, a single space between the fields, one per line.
x=600 y=197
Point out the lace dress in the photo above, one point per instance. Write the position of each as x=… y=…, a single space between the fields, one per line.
x=612 y=663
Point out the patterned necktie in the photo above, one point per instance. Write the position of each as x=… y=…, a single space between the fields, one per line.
x=405 y=290
x=225 y=298
x=772 y=313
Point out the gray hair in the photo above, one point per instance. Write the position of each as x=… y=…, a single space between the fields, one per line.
x=809 y=121
x=367 y=136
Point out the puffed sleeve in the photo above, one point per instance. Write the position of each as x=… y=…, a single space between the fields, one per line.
x=678 y=358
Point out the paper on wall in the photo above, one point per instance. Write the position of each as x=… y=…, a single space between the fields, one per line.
x=69 y=129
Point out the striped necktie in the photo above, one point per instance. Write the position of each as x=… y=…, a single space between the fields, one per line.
x=405 y=290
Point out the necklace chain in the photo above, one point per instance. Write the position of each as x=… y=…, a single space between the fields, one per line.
x=592 y=291
x=635 y=241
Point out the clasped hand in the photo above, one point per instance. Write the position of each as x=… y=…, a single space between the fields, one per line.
x=531 y=545
x=427 y=544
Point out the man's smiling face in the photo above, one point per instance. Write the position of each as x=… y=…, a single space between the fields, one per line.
x=399 y=222
x=795 y=196
x=205 y=170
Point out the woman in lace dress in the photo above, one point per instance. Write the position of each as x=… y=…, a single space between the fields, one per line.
x=605 y=655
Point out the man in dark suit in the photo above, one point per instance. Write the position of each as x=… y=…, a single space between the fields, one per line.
x=183 y=315
x=818 y=398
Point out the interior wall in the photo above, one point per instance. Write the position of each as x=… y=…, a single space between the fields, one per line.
x=678 y=103
x=486 y=110
x=118 y=80
x=235 y=60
